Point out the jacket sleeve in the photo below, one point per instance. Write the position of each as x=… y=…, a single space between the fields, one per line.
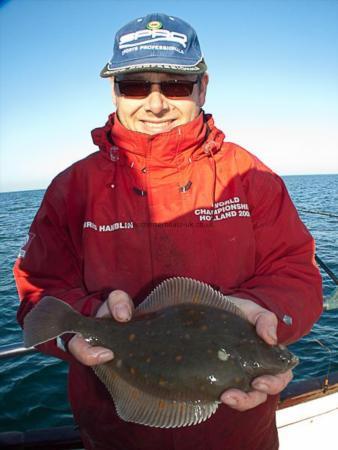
x=286 y=279
x=50 y=264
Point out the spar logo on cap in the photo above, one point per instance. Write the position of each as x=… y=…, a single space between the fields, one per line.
x=147 y=36
x=154 y=25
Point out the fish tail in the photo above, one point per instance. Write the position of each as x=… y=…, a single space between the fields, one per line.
x=50 y=318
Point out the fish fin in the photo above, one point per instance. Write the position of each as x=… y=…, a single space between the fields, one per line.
x=134 y=405
x=50 y=318
x=178 y=290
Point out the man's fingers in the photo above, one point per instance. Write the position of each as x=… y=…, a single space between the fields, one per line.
x=272 y=384
x=266 y=326
x=265 y=321
x=86 y=354
x=242 y=401
x=119 y=305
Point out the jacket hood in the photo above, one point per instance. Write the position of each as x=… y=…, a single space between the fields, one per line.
x=193 y=140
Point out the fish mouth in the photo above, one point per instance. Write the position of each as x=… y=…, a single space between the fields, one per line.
x=293 y=361
x=290 y=359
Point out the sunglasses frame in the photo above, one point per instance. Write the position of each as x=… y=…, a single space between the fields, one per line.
x=145 y=84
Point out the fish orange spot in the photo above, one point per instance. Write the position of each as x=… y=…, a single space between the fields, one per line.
x=178 y=358
x=135 y=394
x=181 y=407
x=119 y=363
x=131 y=337
x=132 y=371
x=162 y=382
x=204 y=327
x=161 y=404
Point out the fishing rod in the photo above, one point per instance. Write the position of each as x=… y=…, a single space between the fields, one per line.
x=319 y=213
x=326 y=269
x=332 y=301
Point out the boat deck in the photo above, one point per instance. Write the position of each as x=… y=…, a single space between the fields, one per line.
x=310 y=425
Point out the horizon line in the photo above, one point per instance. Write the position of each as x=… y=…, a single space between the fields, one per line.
x=282 y=176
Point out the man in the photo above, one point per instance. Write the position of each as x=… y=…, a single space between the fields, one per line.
x=167 y=196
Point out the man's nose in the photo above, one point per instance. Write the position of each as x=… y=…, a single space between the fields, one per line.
x=156 y=102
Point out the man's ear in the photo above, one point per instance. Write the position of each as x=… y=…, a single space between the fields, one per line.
x=113 y=92
x=203 y=89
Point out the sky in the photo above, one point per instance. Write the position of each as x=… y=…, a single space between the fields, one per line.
x=273 y=87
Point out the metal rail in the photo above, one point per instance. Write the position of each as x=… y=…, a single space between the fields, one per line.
x=58 y=438
x=331 y=302
x=68 y=437
x=9 y=351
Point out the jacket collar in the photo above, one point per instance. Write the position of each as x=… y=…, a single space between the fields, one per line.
x=193 y=140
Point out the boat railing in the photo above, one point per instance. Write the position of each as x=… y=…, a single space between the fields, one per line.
x=68 y=437
x=12 y=350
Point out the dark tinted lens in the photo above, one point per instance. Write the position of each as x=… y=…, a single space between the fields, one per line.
x=177 y=88
x=134 y=88
x=142 y=88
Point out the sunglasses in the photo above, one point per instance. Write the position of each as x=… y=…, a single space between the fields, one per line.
x=142 y=88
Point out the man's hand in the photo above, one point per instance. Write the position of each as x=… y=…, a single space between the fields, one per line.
x=266 y=327
x=119 y=306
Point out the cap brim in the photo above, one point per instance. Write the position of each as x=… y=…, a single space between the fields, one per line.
x=201 y=67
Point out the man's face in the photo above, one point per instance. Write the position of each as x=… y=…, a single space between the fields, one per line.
x=157 y=113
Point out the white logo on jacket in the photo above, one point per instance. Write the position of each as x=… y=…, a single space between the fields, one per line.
x=223 y=210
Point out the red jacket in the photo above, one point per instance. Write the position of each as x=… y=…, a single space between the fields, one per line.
x=145 y=208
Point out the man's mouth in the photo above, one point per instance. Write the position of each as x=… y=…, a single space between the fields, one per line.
x=158 y=126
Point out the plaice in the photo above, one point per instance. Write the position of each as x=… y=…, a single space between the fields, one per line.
x=185 y=345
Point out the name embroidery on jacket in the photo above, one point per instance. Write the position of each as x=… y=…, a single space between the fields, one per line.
x=109 y=227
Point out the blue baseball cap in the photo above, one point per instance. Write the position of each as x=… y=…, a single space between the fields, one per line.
x=156 y=43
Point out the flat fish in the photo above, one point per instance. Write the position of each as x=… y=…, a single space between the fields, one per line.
x=184 y=346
